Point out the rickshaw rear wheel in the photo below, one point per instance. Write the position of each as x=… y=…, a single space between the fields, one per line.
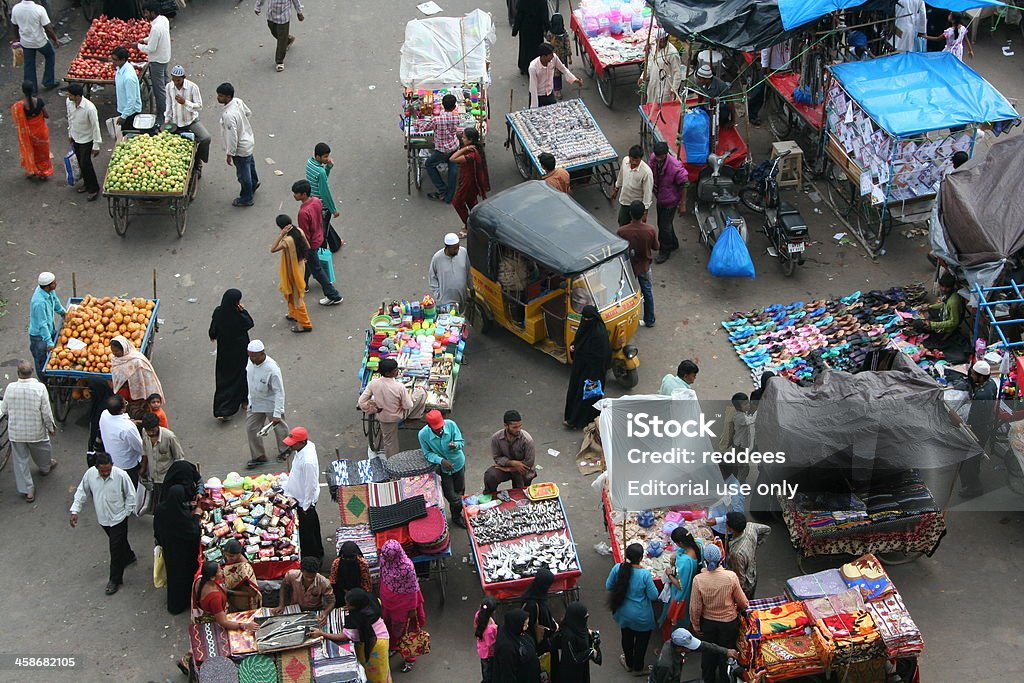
x=482 y=318
x=626 y=378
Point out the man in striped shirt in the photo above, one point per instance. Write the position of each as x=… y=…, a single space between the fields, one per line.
x=446 y=126
x=716 y=601
x=318 y=173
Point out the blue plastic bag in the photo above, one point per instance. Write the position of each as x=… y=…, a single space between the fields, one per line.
x=592 y=389
x=729 y=257
x=696 y=135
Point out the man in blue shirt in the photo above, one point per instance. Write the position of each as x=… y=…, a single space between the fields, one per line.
x=442 y=445
x=126 y=84
x=42 y=332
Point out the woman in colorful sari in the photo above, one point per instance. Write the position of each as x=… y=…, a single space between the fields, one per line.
x=349 y=571
x=210 y=604
x=293 y=247
x=400 y=596
x=132 y=376
x=366 y=629
x=680 y=577
x=474 y=180
x=30 y=116
x=240 y=579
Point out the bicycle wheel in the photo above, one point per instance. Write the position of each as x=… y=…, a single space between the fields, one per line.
x=60 y=394
x=752 y=199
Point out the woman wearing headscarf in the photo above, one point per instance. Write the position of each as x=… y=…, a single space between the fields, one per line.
x=210 y=605
x=515 y=658
x=240 y=579
x=531 y=23
x=591 y=358
x=177 y=531
x=632 y=589
x=229 y=328
x=535 y=604
x=132 y=376
x=576 y=648
x=400 y=597
x=367 y=631
x=474 y=180
x=29 y=116
x=716 y=602
x=680 y=579
x=292 y=245
x=349 y=571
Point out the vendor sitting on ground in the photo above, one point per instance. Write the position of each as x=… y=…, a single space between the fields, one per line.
x=710 y=88
x=514 y=456
x=947 y=313
x=308 y=589
x=673 y=655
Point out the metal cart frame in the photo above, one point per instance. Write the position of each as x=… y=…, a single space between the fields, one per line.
x=607 y=77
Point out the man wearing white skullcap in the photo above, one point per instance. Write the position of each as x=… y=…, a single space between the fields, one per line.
x=42 y=332
x=711 y=87
x=663 y=70
x=449 y=274
x=182 y=112
x=266 y=403
x=981 y=418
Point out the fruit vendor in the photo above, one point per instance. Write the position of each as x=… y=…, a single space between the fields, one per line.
x=126 y=86
x=184 y=102
x=442 y=444
x=42 y=332
x=514 y=455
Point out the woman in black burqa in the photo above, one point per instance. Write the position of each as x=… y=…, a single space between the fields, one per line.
x=515 y=657
x=575 y=646
x=177 y=531
x=592 y=356
x=535 y=604
x=230 y=329
x=532 y=22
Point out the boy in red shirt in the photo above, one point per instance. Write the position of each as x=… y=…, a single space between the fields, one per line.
x=311 y=223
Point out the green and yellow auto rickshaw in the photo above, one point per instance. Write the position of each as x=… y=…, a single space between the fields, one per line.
x=537 y=258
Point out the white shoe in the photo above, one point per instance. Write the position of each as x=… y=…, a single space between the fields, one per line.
x=280 y=67
x=331 y=302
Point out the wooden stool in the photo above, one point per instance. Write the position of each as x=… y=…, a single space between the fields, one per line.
x=791 y=168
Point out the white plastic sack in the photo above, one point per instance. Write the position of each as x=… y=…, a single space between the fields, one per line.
x=71 y=167
x=444 y=52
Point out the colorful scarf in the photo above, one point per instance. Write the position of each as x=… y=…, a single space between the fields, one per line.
x=397 y=571
x=135 y=370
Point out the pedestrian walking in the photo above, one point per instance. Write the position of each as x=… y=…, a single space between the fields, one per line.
x=158 y=46
x=26 y=403
x=239 y=143
x=716 y=601
x=318 y=174
x=663 y=70
x=113 y=497
x=486 y=632
x=177 y=530
x=37 y=37
x=304 y=486
x=670 y=183
x=160 y=450
x=542 y=624
x=127 y=90
x=955 y=37
x=558 y=38
x=311 y=223
x=744 y=539
x=266 y=403
x=515 y=657
x=42 y=332
x=121 y=438
x=634 y=183
x=591 y=358
x=449 y=275
x=446 y=141
x=387 y=398
x=442 y=444
x=576 y=646
x=632 y=589
x=400 y=596
x=643 y=242
x=279 y=17
x=229 y=329
x=85 y=137
x=29 y=116
x=292 y=245
x=181 y=112
x=543 y=70
x=474 y=180
x=531 y=23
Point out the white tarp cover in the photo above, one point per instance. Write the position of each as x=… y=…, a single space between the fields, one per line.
x=445 y=52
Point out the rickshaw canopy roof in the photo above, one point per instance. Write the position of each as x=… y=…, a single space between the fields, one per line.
x=796 y=13
x=910 y=93
x=548 y=226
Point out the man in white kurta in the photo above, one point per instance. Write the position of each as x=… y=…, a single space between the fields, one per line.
x=911 y=20
x=663 y=70
x=449 y=274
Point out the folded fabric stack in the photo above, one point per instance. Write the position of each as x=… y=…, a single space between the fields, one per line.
x=786 y=619
x=848 y=638
x=789 y=657
x=334 y=663
x=833 y=605
x=828 y=582
x=361 y=535
x=867 y=575
x=900 y=634
x=903 y=495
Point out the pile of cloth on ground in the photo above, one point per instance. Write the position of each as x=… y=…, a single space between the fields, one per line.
x=798 y=340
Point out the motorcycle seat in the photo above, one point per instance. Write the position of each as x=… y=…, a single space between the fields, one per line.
x=787 y=208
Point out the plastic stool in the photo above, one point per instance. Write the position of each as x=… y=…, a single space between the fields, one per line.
x=791 y=168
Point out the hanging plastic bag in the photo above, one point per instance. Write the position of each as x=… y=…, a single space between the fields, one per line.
x=71 y=167
x=326 y=262
x=592 y=389
x=729 y=257
x=159 y=568
x=696 y=135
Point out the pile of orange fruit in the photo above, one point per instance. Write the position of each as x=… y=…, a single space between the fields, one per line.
x=94 y=322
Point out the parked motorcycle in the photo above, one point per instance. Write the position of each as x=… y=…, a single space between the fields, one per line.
x=782 y=223
x=716 y=206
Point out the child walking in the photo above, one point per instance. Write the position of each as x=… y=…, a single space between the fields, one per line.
x=486 y=634
x=559 y=40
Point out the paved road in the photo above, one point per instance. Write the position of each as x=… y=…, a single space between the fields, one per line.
x=341 y=86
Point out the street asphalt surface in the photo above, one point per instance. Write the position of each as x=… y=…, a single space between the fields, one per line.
x=341 y=86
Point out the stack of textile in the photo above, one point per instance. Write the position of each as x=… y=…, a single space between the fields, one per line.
x=361 y=535
x=900 y=634
x=847 y=638
x=903 y=495
x=867 y=575
x=828 y=582
x=334 y=663
x=774 y=642
x=786 y=619
x=789 y=657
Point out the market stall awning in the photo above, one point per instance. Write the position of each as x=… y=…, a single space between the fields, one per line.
x=446 y=52
x=547 y=226
x=916 y=92
x=796 y=13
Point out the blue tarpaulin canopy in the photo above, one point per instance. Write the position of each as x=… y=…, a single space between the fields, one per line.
x=915 y=92
x=798 y=12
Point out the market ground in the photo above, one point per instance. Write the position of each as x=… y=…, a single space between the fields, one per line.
x=341 y=86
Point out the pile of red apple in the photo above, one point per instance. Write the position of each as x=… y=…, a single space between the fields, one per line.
x=105 y=34
x=86 y=69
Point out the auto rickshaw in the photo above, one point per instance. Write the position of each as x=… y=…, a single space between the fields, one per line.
x=537 y=258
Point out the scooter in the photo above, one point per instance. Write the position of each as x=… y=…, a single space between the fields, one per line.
x=783 y=225
x=716 y=205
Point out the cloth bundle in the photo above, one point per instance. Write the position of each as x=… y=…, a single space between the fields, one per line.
x=848 y=638
x=427 y=485
x=900 y=634
x=789 y=657
x=828 y=582
x=361 y=535
x=348 y=472
x=784 y=620
x=832 y=605
x=867 y=575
